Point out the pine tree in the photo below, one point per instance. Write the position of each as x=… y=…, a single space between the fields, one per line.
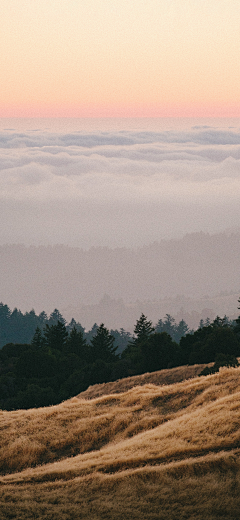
x=55 y=336
x=180 y=330
x=102 y=345
x=143 y=329
x=56 y=317
x=37 y=340
x=76 y=344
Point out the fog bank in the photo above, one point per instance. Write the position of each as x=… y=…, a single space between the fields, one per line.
x=117 y=188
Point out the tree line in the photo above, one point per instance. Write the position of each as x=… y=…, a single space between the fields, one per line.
x=18 y=327
x=62 y=360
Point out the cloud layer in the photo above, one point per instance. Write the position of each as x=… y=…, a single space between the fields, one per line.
x=117 y=188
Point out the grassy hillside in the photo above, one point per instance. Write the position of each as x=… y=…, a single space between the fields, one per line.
x=160 y=377
x=146 y=452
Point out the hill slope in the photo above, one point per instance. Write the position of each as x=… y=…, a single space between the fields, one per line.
x=150 y=452
x=166 y=376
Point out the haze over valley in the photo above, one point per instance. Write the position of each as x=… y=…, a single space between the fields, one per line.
x=192 y=278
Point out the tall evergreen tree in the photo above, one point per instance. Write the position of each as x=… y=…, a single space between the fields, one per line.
x=74 y=324
x=76 y=344
x=56 y=317
x=37 y=340
x=5 y=314
x=102 y=345
x=143 y=329
x=42 y=318
x=55 y=336
x=181 y=330
x=92 y=332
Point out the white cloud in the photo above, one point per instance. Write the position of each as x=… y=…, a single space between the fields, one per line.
x=121 y=183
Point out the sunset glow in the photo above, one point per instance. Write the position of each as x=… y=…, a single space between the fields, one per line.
x=72 y=58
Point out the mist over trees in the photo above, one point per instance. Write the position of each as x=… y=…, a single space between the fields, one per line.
x=115 y=285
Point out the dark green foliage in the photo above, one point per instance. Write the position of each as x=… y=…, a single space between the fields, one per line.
x=55 y=366
x=74 y=325
x=76 y=344
x=203 y=345
x=91 y=333
x=155 y=352
x=149 y=350
x=56 y=317
x=237 y=324
x=55 y=336
x=121 y=368
x=143 y=329
x=77 y=382
x=4 y=324
x=8 y=388
x=180 y=331
x=133 y=353
x=35 y=364
x=222 y=339
x=102 y=345
x=159 y=352
x=38 y=339
x=33 y=396
x=16 y=327
x=100 y=371
x=222 y=360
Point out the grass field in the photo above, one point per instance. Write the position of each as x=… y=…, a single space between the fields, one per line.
x=152 y=451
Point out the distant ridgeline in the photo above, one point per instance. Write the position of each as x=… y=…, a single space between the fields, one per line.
x=44 y=360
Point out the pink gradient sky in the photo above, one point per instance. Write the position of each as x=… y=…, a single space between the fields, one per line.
x=127 y=58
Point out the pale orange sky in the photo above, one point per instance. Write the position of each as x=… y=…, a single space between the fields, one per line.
x=122 y=58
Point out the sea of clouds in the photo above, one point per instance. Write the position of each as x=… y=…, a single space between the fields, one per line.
x=117 y=187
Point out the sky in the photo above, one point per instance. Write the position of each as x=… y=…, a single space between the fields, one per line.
x=125 y=184
x=125 y=58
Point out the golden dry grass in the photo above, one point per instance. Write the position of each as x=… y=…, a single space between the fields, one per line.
x=160 y=377
x=150 y=452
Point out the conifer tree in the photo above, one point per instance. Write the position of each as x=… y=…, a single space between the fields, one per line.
x=102 y=345
x=55 y=336
x=143 y=329
x=76 y=344
x=37 y=340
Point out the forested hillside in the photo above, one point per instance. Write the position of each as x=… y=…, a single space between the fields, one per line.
x=63 y=360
